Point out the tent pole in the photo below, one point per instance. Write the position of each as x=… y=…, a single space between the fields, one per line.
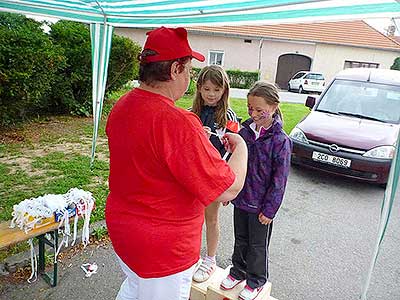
x=259 y=57
x=386 y=209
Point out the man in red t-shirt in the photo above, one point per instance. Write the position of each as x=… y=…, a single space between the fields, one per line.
x=163 y=173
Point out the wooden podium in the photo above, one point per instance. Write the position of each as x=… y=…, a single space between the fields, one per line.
x=210 y=290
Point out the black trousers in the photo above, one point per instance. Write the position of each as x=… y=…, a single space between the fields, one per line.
x=250 y=255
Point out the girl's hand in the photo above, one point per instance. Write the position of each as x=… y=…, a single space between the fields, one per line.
x=231 y=140
x=263 y=219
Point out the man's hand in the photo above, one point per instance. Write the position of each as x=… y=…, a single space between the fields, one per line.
x=207 y=130
x=231 y=140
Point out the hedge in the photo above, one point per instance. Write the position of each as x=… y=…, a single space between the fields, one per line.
x=238 y=79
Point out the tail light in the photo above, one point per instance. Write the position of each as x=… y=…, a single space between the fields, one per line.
x=306 y=82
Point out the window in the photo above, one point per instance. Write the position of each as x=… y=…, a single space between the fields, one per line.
x=216 y=57
x=372 y=100
x=359 y=64
x=315 y=76
x=247 y=41
x=298 y=75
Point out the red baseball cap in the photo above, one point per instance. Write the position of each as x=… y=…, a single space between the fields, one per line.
x=170 y=44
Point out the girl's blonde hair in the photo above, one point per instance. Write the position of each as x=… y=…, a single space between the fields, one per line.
x=218 y=77
x=269 y=92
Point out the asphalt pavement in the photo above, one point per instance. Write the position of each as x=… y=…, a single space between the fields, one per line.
x=321 y=248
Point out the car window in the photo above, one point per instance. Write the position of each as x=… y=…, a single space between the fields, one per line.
x=367 y=99
x=297 y=76
x=314 y=76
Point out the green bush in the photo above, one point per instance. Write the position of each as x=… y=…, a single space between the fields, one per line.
x=396 y=64
x=72 y=91
x=29 y=63
x=238 y=79
x=123 y=65
x=191 y=88
x=242 y=79
x=51 y=73
x=195 y=73
x=74 y=88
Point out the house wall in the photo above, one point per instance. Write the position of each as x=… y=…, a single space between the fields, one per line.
x=272 y=50
x=336 y=56
x=238 y=54
x=325 y=58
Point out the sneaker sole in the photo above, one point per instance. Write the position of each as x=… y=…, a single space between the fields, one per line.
x=228 y=289
x=241 y=298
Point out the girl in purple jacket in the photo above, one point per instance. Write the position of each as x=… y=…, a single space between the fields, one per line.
x=258 y=202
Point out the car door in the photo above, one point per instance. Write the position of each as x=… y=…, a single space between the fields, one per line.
x=296 y=80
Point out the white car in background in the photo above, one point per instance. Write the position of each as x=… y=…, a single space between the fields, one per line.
x=306 y=81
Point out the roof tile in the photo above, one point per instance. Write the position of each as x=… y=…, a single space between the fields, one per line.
x=352 y=33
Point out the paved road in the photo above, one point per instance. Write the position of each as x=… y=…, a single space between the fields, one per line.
x=321 y=248
x=284 y=96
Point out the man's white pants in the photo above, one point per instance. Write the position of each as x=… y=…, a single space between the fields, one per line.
x=172 y=287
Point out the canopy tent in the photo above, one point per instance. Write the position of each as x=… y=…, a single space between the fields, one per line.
x=104 y=15
x=150 y=13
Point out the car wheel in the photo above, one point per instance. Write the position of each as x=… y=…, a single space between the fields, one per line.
x=300 y=90
x=288 y=88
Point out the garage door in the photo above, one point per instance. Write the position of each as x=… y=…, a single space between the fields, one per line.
x=288 y=65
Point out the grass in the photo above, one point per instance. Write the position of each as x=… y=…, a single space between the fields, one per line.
x=292 y=112
x=52 y=155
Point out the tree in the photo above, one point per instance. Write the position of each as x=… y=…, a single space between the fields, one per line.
x=72 y=91
x=28 y=65
x=396 y=64
x=123 y=65
x=44 y=73
x=74 y=87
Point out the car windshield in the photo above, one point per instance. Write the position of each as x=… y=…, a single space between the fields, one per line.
x=363 y=100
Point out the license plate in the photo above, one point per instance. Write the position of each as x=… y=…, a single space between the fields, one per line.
x=330 y=159
x=315 y=83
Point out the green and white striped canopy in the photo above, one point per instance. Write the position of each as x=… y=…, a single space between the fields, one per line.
x=148 y=13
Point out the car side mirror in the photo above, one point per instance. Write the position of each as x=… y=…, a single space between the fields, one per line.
x=310 y=101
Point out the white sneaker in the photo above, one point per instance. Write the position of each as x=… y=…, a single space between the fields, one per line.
x=205 y=270
x=249 y=294
x=229 y=283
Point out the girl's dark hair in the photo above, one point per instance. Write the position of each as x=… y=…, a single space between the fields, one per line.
x=269 y=92
x=152 y=72
x=218 y=77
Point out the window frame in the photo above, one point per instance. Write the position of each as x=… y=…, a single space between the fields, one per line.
x=216 y=53
x=350 y=64
x=299 y=75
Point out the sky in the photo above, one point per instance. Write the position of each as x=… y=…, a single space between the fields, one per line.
x=382 y=24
